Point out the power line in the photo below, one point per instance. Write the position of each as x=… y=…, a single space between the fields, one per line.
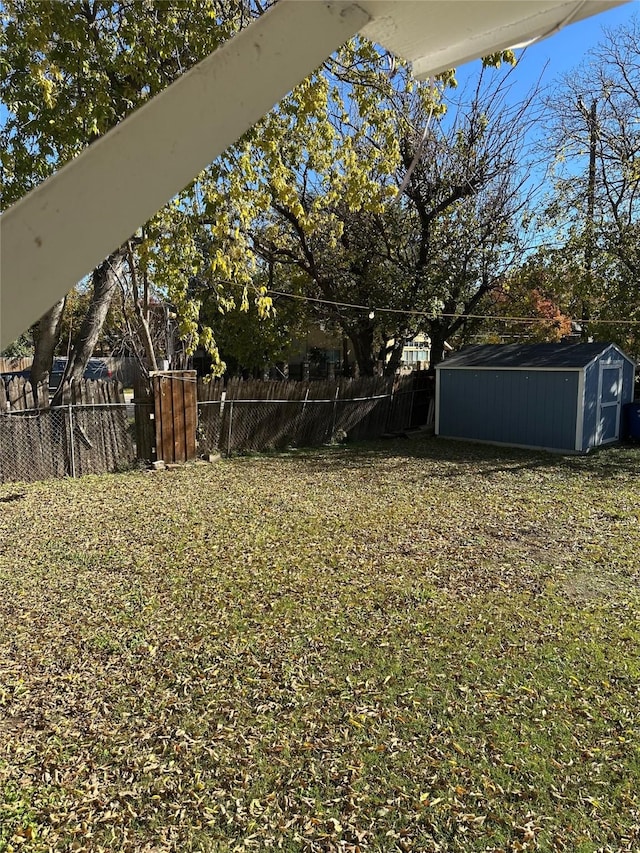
x=433 y=315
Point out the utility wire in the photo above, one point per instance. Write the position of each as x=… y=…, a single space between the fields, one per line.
x=433 y=315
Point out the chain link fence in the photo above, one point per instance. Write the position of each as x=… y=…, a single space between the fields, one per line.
x=252 y=425
x=64 y=441
x=96 y=433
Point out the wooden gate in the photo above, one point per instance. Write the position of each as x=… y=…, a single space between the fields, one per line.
x=175 y=414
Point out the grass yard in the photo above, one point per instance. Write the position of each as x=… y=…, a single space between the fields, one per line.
x=401 y=646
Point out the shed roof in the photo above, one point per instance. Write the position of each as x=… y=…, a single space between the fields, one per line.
x=528 y=355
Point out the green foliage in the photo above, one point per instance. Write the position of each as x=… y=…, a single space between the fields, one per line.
x=74 y=69
x=247 y=340
x=22 y=348
x=327 y=650
x=330 y=205
x=542 y=290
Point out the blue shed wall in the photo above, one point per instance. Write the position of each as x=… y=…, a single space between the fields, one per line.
x=532 y=408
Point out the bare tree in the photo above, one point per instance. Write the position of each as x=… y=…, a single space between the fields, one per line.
x=596 y=129
x=428 y=258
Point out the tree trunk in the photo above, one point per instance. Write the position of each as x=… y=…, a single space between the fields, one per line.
x=105 y=281
x=438 y=339
x=46 y=336
x=141 y=308
x=395 y=359
x=362 y=339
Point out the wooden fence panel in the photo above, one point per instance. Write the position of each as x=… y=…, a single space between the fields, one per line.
x=265 y=415
x=89 y=437
x=424 y=386
x=100 y=430
x=145 y=430
x=175 y=414
x=13 y=365
x=17 y=395
x=32 y=446
x=209 y=427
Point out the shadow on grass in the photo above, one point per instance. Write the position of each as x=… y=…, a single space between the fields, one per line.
x=459 y=459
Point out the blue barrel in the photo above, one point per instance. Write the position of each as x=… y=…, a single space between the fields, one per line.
x=632 y=417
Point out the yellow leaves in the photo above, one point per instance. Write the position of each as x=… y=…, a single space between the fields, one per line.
x=324 y=528
x=23 y=834
x=334 y=826
x=311 y=97
x=47 y=88
x=255 y=808
x=495 y=60
x=264 y=305
x=220 y=265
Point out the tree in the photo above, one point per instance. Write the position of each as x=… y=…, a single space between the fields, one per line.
x=467 y=197
x=596 y=202
x=236 y=203
x=532 y=303
x=426 y=257
x=75 y=68
x=70 y=71
x=250 y=342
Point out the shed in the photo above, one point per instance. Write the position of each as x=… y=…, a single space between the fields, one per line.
x=562 y=397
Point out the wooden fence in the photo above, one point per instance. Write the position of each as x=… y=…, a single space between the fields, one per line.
x=175 y=414
x=100 y=438
x=123 y=369
x=17 y=395
x=90 y=435
x=257 y=415
x=14 y=365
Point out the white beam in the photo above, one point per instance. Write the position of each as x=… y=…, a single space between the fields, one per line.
x=54 y=236
x=435 y=35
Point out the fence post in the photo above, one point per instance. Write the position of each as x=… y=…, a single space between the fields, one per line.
x=335 y=406
x=71 y=445
x=230 y=423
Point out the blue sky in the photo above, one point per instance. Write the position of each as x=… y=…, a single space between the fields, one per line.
x=566 y=49
x=561 y=52
x=549 y=60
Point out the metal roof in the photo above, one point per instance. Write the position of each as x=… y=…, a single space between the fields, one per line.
x=538 y=356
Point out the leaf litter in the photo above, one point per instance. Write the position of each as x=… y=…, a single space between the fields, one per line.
x=421 y=646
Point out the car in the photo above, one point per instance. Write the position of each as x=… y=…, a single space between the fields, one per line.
x=97 y=368
x=15 y=374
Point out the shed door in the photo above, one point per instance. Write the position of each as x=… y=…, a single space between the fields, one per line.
x=609 y=401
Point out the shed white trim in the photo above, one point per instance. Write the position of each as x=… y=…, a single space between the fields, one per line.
x=530 y=369
x=617 y=403
x=580 y=409
x=618 y=352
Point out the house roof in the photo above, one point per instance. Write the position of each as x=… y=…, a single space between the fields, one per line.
x=541 y=356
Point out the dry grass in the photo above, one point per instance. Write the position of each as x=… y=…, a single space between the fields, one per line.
x=405 y=646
